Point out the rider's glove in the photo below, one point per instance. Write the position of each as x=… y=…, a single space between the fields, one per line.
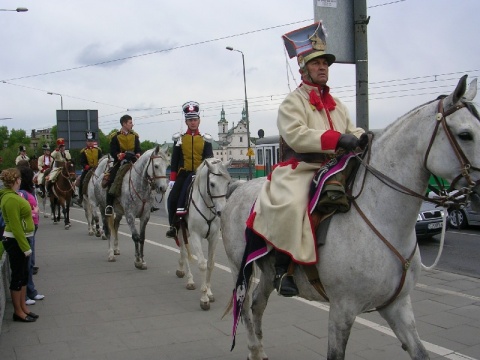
x=86 y=167
x=121 y=156
x=171 y=183
x=348 y=142
x=137 y=155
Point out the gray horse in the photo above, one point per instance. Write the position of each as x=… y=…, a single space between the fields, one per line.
x=358 y=271
x=147 y=175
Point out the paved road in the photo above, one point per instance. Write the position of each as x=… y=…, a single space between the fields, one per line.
x=99 y=310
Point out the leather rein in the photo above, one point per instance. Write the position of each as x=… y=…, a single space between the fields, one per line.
x=149 y=179
x=445 y=200
x=209 y=207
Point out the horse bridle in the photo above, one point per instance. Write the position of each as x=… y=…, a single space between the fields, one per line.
x=71 y=174
x=466 y=166
x=209 y=207
x=149 y=179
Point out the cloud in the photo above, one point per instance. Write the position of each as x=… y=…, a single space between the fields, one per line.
x=98 y=53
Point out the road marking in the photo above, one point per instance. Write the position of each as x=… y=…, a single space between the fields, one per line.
x=436 y=349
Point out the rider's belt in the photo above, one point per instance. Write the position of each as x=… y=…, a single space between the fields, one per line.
x=9 y=234
x=314 y=157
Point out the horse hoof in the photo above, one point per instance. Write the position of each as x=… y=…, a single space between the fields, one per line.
x=211 y=298
x=104 y=237
x=116 y=252
x=90 y=233
x=141 y=266
x=180 y=273
x=191 y=287
x=67 y=227
x=205 y=305
x=112 y=259
x=98 y=234
x=55 y=223
x=45 y=216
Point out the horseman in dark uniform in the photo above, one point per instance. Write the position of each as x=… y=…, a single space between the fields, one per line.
x=89 y=157
x=189 y=150
x=122 y=141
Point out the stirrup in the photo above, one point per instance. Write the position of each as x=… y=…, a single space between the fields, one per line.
x=109 y=210
x=285 y=285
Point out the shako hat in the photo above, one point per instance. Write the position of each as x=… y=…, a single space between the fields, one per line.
x=46 y=147
x=308 y=43
x=191 y=110
x=61 y=142
x=22 y=148
x=90 y=136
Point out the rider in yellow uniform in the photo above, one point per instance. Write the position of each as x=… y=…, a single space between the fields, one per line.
x=89 y=157
x=189 y=150
x=124 y=140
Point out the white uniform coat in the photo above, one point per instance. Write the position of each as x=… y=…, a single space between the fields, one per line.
x=280 y=213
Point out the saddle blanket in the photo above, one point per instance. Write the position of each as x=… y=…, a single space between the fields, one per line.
x=256 y=247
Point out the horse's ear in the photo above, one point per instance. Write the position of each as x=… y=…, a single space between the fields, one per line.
x=228 y=163
x=457 y=94
x=472 y=90
x=164 y=148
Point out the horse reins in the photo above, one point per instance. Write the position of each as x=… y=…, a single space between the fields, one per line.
x=149 y=179
x=72 y=187
x=209 y=207
x=465 y=173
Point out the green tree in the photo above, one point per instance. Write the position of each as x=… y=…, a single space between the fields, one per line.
x=18 y=137
x=3 y=135
x=147 y=145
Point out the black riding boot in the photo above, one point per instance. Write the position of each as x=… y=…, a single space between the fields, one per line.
x=284 y=284
x=109 y=207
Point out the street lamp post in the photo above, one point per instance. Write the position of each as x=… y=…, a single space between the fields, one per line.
x=19 y=9
x=246 y=111
x=61 y=98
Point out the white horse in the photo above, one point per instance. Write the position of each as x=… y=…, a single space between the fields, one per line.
x=90 y=204
x=358 y=271
x=208 y=197
x=146 y=175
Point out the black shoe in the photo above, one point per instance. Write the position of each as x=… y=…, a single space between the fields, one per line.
x=26 y=319
x=33 y=315
x=172 y=232
x=285 y=285
x=35 y=270
x=109 y=210
x=79 y=202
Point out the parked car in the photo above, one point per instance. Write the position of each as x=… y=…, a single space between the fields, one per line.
x=460 y=219
x=429 y=221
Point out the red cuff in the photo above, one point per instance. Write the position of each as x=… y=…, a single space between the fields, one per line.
x=86 y=167
x=173 y=176
x=329 y=140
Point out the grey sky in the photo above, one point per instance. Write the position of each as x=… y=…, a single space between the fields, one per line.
x=418 y=49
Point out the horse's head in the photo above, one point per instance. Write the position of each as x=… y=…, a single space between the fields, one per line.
x=33 y=162
x=156 y=171
x=454 y=148
x=215 y=178
x=70 y=169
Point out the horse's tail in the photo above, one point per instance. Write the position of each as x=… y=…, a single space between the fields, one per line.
x=228 y=309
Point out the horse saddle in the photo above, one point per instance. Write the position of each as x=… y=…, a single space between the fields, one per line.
x=86 y=180
x=116 y=188
x=185 y=199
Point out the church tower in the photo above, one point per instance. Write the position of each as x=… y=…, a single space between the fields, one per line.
x=222 y=126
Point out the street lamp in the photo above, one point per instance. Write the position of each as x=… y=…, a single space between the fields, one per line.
x=19 y=9
x=61 y=98
x=246 y=110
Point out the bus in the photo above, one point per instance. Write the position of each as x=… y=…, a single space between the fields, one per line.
x=267 y=154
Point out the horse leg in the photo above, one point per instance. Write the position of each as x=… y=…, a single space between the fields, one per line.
x=143 y=226
x=96 y=223
x=212 y=245
x=109 y=229
x=195 y=240
x=399 y=316
x=66 y=214
x=89 y=215
x=183 y=251
x=340 y=321
x=186 y=255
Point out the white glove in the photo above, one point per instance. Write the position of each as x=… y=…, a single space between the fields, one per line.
x=28 y=252
x=171 y=183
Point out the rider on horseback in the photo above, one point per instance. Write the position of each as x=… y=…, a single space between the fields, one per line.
x=189 y=150
x=59 y=156
x=89 y=157
x=44 y=163
x=124 y=140
x=22 y=154
x=313 y=125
